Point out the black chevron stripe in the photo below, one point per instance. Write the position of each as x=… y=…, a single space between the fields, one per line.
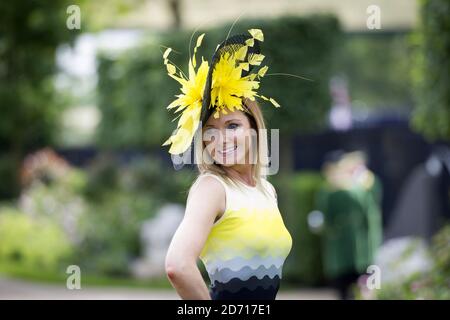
x=253 y=288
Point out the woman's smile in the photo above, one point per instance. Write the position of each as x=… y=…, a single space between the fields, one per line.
x=227 y=151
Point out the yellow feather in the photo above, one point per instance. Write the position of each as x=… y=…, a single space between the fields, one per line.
x=166 y=53
x=199 y=43
x=256 y=59
x=199 y=40
x=245 y=66
x=262 y=71
x=167 y=142
x=257 y=34
x=227 y=90
x=241 y=53
x=171 y=68
x=274 y=102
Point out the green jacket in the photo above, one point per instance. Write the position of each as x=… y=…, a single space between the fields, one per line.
x=352 y=228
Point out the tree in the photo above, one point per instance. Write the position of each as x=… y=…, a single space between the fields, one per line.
x=30 y=32
x=432 y=68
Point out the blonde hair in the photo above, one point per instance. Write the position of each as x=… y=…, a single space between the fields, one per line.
x=259 y=167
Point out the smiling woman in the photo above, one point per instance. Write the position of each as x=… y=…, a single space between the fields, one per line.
x=232 y=222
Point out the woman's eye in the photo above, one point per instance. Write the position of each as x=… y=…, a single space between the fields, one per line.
x=233 y=126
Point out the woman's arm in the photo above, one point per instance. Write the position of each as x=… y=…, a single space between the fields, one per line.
x=205 y=202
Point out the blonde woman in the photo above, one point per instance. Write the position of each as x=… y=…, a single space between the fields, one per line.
x=232 y=222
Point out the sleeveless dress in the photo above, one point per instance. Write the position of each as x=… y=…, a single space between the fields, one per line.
x=246 y=248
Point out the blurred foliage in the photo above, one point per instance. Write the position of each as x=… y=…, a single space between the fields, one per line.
x=98 y=16
x=431 y=70
x=59 y=200
x=441 y=251
x=304 y=263
x=131 y=100
x=98 y=213
x=376 y=67
x=433 y=285
x=144 y=174
x=30 y=32
x=109 y=233
x=9 y=167
x=31 y=242
x=121 y=197
x=303 y=46
x=134 y=88
x=45 y=221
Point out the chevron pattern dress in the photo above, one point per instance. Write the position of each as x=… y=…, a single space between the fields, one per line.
x=246 y=248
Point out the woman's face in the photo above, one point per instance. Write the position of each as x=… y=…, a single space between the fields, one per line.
x=228 y=138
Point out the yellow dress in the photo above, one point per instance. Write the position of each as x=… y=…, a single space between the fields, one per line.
x=246 y=248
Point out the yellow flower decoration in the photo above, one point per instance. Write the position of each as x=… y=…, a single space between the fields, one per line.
x=228 y=87
x=189 y=101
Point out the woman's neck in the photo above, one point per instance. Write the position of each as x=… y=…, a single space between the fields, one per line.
x=242 y=172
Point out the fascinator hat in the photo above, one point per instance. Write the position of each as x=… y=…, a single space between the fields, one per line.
x=217 y=87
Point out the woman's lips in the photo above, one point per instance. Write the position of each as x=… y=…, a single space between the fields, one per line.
x=227 y=151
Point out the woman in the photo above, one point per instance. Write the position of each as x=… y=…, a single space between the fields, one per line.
x=232 y=222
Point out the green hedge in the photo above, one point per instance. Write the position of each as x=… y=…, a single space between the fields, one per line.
x=432 y=69
x=134 y=88
x=32 y=243
x=304 y=263
x=30 y=32
x=376 y=67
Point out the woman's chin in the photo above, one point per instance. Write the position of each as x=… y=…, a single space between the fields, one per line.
x=230 y=159
x=229 y=162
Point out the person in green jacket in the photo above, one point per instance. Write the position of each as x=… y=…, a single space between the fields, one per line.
x=350 y=201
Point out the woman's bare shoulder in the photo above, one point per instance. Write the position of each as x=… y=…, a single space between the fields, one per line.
x=271 y=187
x=209 y=190
x=208 y=183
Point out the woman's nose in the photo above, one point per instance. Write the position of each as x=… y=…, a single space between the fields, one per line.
x=227 y=136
